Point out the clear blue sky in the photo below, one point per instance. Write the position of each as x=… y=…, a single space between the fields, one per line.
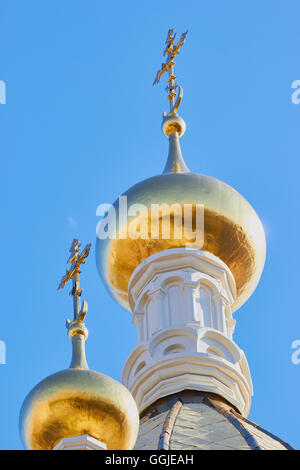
x=82 y=124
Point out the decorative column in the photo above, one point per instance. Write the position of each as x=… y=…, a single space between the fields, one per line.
x=181 y=302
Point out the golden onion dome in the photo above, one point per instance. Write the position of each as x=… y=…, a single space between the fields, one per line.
x=78 y=401
x=75 y=402
x=232 y=229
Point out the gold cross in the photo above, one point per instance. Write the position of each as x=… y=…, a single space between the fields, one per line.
x=76 y=259
x=171 y=50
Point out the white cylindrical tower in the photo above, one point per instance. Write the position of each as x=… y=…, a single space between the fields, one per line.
x=181 y=301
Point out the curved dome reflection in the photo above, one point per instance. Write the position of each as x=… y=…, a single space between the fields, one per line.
x=232 y=231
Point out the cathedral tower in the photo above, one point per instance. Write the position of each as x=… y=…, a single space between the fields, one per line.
x=196 y=256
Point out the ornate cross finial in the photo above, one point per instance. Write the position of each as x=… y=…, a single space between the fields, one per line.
x=76 y=259
x=171 y=50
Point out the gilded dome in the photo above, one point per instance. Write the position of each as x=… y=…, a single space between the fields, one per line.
x=74 y=402
x=78 y=401
x=232 y=229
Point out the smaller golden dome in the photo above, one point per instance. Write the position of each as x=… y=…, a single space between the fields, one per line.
x=74 y=402
x=78 y=401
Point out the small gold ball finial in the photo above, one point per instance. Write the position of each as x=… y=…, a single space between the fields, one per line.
x=171 y=124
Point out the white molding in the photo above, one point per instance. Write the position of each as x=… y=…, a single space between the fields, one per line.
x=181 y=301
x=83 y=442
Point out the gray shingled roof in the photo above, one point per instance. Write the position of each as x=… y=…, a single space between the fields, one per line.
x=201 y=421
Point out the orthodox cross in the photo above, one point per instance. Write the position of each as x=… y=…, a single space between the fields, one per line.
x=76 y=259
x=170 y=51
